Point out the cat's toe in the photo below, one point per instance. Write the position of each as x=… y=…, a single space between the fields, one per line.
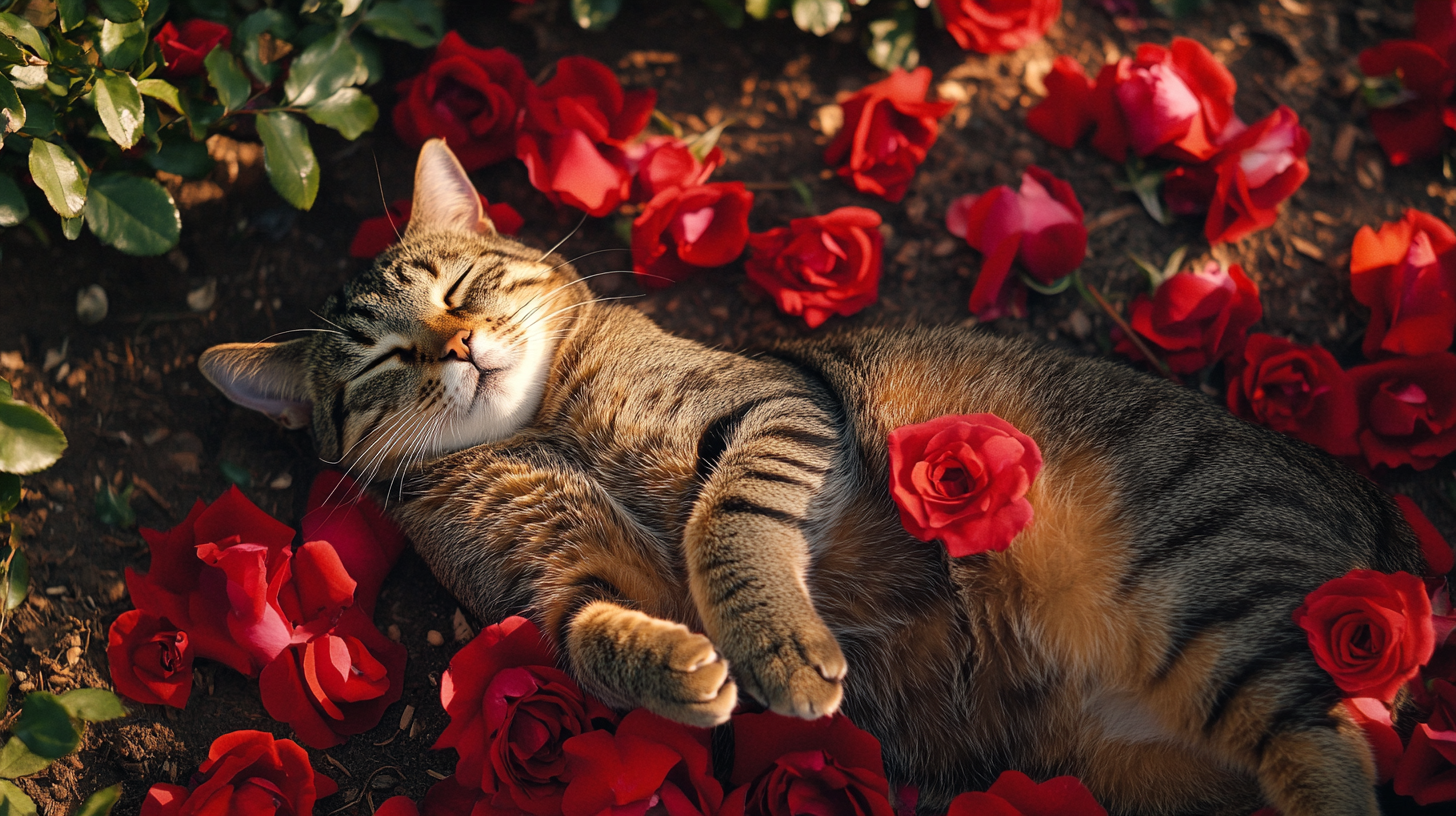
x=804 y=680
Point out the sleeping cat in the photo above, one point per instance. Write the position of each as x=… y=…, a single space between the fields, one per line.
x=688 y=524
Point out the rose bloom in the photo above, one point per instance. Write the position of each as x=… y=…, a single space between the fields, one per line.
x=1257 y=170
x=682 y=229
x=820 y=266
x=1074 y=104
x=510 y=711
x=378 y=234
x=888 y=129
x=783 y=766
x=963 y=479
x=1406 y=274
x=184 y=49
x=573 y=131
x=1409 y=124
x=367 y=542
x=1296 y=390
x=400 y=806
x=1370 y=630
x=1177 y=101
x=1439 y=557
x=1015 y=794
x=1374 y=720
x=661 y=162
x=649 y=761
x=1040 y=226
x=246 y=773
x=1408 y=406
x=469 y=97
x=150 y=660
x=1196 y=317
x=997 y=26
x=1427 y=770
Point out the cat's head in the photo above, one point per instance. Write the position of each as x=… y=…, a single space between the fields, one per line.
x=445 y=343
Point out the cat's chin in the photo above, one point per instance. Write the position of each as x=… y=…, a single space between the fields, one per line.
x=492 y=404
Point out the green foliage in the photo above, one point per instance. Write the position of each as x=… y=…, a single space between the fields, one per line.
x=31 y=441
x=90 y=90
x=892 y=40
x=49 y=727
x=594 y=14
x=93 y=704
x=45 y=726
x=9 y=498
x=114 y=507
x=101 y=802
x=15 y=578
x=14 y=802
x=16 y=760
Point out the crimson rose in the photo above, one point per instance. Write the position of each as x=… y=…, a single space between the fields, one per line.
x=888 y=128
x=1439 y=557
x=783 y=766
x=1427 y=770
x=1296 y=390
x=1075 y=104
x=1409 y=409
x=997 y=26
x=648 y=762
x=151 y=661
x=1374 y=720
x=820 y=266
x=1015 y=794
x=1410 y=122
x=510 y=711
x=184 y=49
x=1176 y=101
x=468 y=96
x=663 y=161
x=1406 y=274
x=246 y=773
x=1370 y=630
x=1256 y=170
x=963 y=479
x=681 y=229
x=1196 y=317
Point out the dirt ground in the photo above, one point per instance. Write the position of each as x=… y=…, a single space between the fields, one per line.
x=130 y=398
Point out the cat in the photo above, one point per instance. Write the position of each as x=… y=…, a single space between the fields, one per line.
x=688 y=525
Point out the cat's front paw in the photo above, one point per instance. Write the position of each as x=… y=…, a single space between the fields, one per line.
x=698 y=689
x=796 y=671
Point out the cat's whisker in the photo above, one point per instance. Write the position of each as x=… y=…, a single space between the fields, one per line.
x=563 y=240
x=565 y=309
x=341 y=329
x=290 y=331
x=407 y=449
x=382 y=199
x=377 y=462
x=418 y=454
x=541 y=298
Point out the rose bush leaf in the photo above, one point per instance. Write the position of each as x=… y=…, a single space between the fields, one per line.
x=122 y=43
x=264 y=63
x=114 y=508
x=122 y=11
x=165 y=91
x=17 y=580
x=93 y=704
x=417 y=22
x=20 y=30
x=60 y=175
x=593 y=15
x=10 y=53
x=224 y=74
x=289 y=159
x=729 y=12
x=10 y=106
x=13 y=206
x=101 y=802
x=14 y=802
x=16 y=760
x=9 y=498
x=182 y=157
x=322 y=69
x=30 y=442
x=45 y=726
x=135 y=215
x=71 y=13
x=349 y=111
x=71 y=227
x=761 y=9
x=120 y=105
x=892 y=41
x=819 y=17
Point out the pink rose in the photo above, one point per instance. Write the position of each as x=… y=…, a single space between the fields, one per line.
x=1256 y=171
x=1177 y=101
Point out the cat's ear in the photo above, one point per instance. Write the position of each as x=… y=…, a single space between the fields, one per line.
x=267 y=377
x=445 y=199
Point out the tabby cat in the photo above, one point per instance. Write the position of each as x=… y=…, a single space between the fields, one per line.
x=687 y=524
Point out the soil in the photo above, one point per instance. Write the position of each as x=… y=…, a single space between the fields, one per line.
x=129 y=397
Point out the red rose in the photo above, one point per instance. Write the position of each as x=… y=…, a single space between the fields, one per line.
x=647 y=762
x=1296 y=390
x=1409 y=409
x=150 y=660
x=196 y=596
x=1196 y=317
x=1374 y=719
x=1257 y=170
x=450 y=798
x=663 y=161
x=820 y=266
x=1406 y=274
x=1074 y=104
x=398 y=806
x=784 y=766
x=1435 y=25
x=367 y=542
x=888 y=129
x=252 y=576
x=1418 y=84
x=1177 y=101
x=510 y=712
x=997 y=26
x=1427 y=770
x=681 y=229
x=1439 y=557
x=1370 y=630
x=1040 y=226
x=468 y=96
x=378 y=234
x=573 y=132
x=247 y=773
x=963 y=479
x=1015 y=794
x=184 y=49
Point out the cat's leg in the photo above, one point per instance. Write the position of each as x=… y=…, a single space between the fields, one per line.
x=749 y=558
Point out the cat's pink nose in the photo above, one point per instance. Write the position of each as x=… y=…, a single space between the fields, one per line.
x=457 y=346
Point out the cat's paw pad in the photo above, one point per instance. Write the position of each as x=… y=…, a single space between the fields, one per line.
x=698 y=689
x=803 y=677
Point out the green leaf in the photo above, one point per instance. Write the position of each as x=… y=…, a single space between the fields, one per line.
x=114 y=508
x=417 y=22
x=157 y=10
x=61 y=177
x=165 y=91
x=729 y=12
x=761 y=9
x=276 y=24
x=45 y=726
x=235 y=473
x=93 y=704
x=40 y=118
x=72 y=13
x=892 y=41
x=101 y=802
x=16 y=761
x=30 y=442
x=10 y=53
x=182 y=157
x=289 y=159
x=13 y=206
x=71 y=227
x=5 y=390
x=17 y=582
x=122 y=43
x=224 y=74
x=135 y=215
x=122 y=11
x=9 y=497
x=14 y=802
x=12 y=110
x=350 y=112
x=593 y=15
x=120 y=105
x=20 y=30
x=4 y=691
x=323 y=68
x=1056 y=287
x=819 y=17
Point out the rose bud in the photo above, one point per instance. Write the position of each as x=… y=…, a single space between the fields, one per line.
x=1256 y=171
x=469 y=97
x=1196 y=317
x=888 y=128
x=1406 y=274
x=1296 y=390
x=1014 y=794
x=1409 y=410
x=1408 y=114
x=1178 y=101
x=820 y=266
x=682 y=229
x=150 y=660
x=246 y=773
x=781 y=762
x=184 y=49
x=998 y=26
x=1370 y=630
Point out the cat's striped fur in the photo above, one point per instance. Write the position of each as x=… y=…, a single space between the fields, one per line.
x=681 y=520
